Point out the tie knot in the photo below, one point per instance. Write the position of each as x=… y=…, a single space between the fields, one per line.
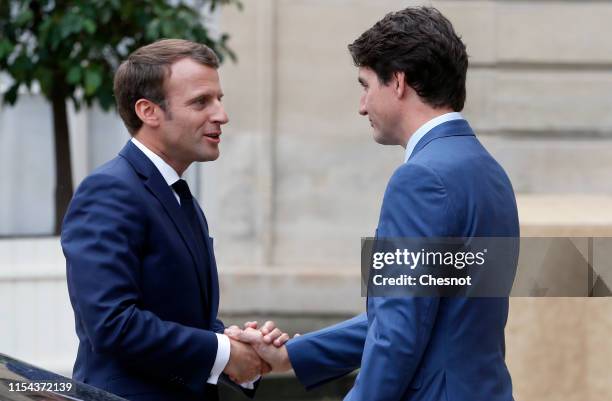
x=182 y=189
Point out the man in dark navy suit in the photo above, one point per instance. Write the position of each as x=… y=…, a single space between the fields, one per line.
x=412 y=67
x=141 y=269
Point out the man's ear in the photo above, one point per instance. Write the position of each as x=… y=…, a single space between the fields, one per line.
x=148 y=112
x=399 y=84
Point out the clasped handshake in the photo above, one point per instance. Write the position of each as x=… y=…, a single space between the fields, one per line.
x=256 y=351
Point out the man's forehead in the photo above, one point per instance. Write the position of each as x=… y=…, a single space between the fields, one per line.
x=189 y=75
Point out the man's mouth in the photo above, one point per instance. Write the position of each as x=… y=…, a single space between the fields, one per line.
x=214 y=137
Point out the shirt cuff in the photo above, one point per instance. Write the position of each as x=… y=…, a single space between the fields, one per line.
x=223 y=355
x=250 y=385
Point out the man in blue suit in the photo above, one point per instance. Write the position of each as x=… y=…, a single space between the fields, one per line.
x=412 y=66
x=141 y=269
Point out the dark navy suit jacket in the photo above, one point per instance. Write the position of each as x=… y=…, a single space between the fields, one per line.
x=145 y=295
x=427 y=348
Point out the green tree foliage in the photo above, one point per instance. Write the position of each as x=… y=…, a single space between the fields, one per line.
x=72 y=48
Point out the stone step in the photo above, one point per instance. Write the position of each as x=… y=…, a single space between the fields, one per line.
x=565 y=215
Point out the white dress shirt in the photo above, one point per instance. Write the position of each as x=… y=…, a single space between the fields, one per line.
x=171 y=176
x=425 y=128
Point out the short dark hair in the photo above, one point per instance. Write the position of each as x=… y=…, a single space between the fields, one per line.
x=422 y=43
x=143 y=74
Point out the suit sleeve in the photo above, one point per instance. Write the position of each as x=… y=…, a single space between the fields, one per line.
x=218 y=326
x=415 y=205
x=103 y=239
x=330 y=353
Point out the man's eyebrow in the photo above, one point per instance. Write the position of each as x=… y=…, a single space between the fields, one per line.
x=201 y=96
x=204 y=96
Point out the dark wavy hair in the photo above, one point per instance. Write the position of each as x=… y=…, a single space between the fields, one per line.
x=422 y=43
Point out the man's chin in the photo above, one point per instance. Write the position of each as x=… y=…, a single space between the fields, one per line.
x=209 y=157
x=383 y=140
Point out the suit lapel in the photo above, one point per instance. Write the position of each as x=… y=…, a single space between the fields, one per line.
x=156 y=184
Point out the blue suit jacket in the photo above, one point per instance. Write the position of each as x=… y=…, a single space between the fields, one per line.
x=145 y=299
x=420 y=348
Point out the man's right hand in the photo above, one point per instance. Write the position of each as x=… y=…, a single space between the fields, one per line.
x=244 y=364
x=276 y=357
x=271 y=333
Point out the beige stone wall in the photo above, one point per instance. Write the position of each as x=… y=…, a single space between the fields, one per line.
x=302 y=161
x=559 y=348
x=300 y=180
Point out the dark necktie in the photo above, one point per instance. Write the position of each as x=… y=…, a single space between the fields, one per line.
x=188 y=208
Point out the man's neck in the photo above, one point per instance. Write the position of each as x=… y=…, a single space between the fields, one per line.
x=153 y=145
x=418 y=118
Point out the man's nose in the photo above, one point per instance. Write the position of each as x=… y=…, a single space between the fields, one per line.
x=220 y=115
x=362 y=107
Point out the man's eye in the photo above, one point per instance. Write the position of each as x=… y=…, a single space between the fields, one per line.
x=201 y=102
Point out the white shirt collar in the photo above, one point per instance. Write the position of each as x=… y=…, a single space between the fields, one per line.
x=425 y=128
x=170 y=175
